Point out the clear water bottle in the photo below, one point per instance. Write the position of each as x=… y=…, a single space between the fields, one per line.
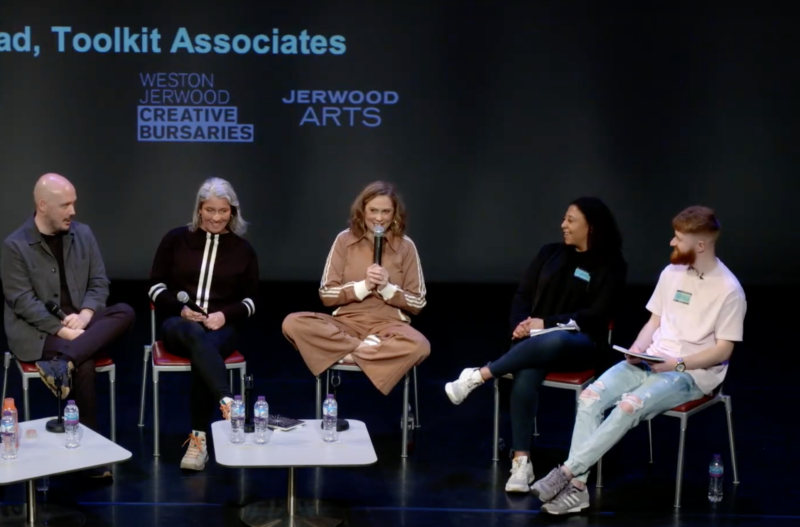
x=237 y=420
x=72 y=437
x=715 y=472
x=9 y=435
x=330 y=414
x=260 y=419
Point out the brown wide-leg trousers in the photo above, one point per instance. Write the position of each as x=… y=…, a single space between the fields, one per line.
x=322 y=340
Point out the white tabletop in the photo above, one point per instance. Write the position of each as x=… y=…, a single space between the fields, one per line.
x=47 y=456
x=301 y=447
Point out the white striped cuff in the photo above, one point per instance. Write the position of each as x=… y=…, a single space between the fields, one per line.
x=250 y=305
x=156 y=290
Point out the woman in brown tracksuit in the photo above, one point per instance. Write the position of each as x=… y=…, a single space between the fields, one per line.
x=370 y=324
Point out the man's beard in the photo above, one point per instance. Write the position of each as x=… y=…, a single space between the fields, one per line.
x=682 y=258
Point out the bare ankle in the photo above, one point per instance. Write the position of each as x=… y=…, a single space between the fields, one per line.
x=485 y=373
x=578 y=484
x=522 y=454
x=567 y=472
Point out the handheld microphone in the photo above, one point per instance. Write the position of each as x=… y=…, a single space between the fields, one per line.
x=183 y=298
x=55 y=309
x=378 y=248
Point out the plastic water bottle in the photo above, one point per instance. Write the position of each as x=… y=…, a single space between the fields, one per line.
x=9 y=435
x=72 y=437
x=715 y=471
x=330 y=414
x=260 y=420
x=237 y=420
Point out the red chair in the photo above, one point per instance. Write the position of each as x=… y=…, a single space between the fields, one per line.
x=575 y=381
x=27 y=371
x=683 y=412
x=163 y=361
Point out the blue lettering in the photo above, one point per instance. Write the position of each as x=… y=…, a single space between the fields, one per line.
x=257 y=47
x=182 y=41
x=318 y=96
x=356 y=97
x=61 y=31
x=202 y=43
x=337 y=45
x=319 y=45
x=330 y=112
x=288 y=45
x=373 y=113
x=240 y=48
x=302 y=96
x=81 y=43
x=102 y=42
x=222 y=43
x=387 y=97
x=337 y=97
x=309 y=116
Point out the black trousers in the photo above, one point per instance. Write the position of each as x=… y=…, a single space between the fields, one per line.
x=106 y=326
x=207 y=351
x=530 y=360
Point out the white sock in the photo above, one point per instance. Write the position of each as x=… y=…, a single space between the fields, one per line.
x=198 y=433
x=225 y=400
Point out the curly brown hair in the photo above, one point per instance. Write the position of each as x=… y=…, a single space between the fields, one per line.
x=370 y=192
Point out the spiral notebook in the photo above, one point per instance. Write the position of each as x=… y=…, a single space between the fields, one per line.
x=284 y=424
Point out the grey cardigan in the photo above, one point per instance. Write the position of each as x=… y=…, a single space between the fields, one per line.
x=30 y=277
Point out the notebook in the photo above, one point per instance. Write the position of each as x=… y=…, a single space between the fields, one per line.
x=643 y=356
x=569 y=326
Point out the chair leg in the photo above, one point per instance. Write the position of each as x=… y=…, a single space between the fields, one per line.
x=599 y=483
x=650 y=437
x=496 y=422
x=317 y=408
x=729 y=412
x=230 y=381
x=112 y=381
x=143 y=399
x=25 y=400
x=242 y=375
x=156 y=423
x=417 y=423
x=535 y=426
x=681 y=450
x=6 y=363
x=404 y=450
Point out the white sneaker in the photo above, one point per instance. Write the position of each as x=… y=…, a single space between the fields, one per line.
x=458 y=390
x=197 y=454
x=521 y=475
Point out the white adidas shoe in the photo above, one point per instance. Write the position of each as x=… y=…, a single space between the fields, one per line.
x=458 y=390
x=197 y=454
x=521 y=475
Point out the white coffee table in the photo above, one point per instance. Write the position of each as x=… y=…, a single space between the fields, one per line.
x=299 y=448
x=47 y=456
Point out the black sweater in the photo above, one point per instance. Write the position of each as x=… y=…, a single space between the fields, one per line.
x=550 y=289
x=218 y=271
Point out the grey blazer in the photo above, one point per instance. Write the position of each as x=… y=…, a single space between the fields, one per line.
x=30 y=277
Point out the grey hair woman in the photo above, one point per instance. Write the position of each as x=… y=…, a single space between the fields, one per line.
x=217 y=204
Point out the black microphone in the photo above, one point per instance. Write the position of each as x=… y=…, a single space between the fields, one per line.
x=55 y=309
x=378 y=250
x=183 y=298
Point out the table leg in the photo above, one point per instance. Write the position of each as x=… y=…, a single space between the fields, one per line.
x=46 y=514
x=290 y=512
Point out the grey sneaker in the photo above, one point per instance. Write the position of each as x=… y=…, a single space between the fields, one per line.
x=570 y=499
x=56 y=369
x=458 y=390
x=521 y=475
x=548 y=487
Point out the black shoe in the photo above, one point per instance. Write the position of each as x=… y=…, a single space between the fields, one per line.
x=51 y=370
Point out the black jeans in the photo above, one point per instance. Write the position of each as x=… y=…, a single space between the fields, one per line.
x=207 y=351
x=106 y=326
x=530 y=360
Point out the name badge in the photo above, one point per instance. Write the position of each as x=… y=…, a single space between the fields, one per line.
x=583 y=275
x=683 y=297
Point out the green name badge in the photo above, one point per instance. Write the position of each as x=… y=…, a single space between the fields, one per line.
x=583 y=275
x=683 y=297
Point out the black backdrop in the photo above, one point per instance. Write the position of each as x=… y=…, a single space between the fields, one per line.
x=504 y=114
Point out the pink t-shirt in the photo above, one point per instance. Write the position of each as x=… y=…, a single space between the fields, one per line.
x=695 y=312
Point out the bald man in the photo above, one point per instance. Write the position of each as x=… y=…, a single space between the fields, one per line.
x=53 y=257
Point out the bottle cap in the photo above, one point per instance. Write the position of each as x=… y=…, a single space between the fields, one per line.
x=717 y=456
x=8 y=404
x=261 y=398
x=30 y=433
x=71 y=401
x=330 y=396
x=237 y=397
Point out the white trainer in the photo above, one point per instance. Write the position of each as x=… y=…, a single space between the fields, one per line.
x=197 y=454
x=521 y=475
x=458 y=390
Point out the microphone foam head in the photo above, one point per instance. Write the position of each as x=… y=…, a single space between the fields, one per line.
x=378 y=230
x=183 y=297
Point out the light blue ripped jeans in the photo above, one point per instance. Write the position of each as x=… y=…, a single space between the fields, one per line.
x=645 y=392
